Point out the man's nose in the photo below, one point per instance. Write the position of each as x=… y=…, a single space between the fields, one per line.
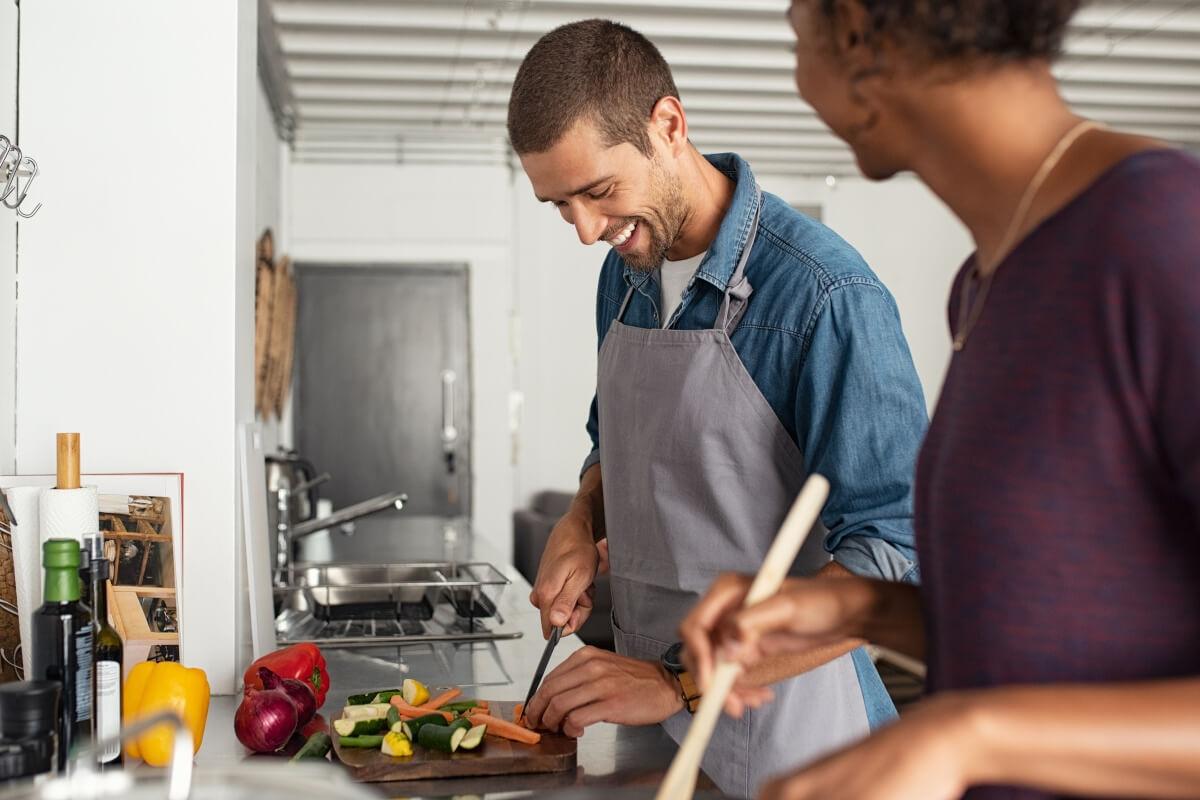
x=590 y=227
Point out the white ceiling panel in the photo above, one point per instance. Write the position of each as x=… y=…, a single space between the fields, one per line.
x=428 y=81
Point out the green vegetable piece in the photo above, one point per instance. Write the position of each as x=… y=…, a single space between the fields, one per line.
x=369 y=711
x=316 y=746
x=474 y=738
x=370 y=697
x=360 y=727
x=393 y=716
x=386 y=696
x=461 y=722
x=461 y=706
x=440 y=737
x=412 y=726
x=361 y=741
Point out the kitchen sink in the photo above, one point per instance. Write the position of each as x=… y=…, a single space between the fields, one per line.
x=365 y=604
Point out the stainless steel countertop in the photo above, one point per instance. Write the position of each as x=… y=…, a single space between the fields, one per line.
x=609 y=755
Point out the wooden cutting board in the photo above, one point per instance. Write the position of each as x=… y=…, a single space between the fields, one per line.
x=554 y=753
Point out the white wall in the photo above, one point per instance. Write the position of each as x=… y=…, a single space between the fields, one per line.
x=137 y=283
x=8 y=243
x=347 y=214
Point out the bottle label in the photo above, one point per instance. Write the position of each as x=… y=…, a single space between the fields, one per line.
x=108 y=708
x=83 y=673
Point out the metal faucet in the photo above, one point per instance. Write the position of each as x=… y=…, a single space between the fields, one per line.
x=287 y=533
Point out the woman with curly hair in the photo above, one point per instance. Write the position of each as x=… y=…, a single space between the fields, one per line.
x=1058 y=489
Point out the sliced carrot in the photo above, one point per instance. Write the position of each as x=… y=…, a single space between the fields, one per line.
x=520 y=709
x=412 y=712
x=443 y=698
x=505 y=729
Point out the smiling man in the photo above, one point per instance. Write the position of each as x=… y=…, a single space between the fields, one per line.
x=742 y=347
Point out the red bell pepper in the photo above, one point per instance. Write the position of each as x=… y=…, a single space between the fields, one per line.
x=303 y=661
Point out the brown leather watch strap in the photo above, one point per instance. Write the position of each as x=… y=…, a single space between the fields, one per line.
x=690 y=691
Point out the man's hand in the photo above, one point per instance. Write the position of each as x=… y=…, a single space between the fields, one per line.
x=563 y=588
x=595 y=685
x=924 y=756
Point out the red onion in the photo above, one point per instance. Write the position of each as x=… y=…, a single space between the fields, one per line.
x=302 y=695
x=267 y=717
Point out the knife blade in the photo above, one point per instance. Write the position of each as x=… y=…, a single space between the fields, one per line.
x=555 y=634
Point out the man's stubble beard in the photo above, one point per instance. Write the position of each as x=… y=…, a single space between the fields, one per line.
x=670 y=212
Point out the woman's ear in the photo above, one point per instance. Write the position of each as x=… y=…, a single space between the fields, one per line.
x=852 y=34
x=668 y=125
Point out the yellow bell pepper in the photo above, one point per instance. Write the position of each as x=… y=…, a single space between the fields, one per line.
x=164 y=686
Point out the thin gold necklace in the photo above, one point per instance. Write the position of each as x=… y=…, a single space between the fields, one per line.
x=969 y=313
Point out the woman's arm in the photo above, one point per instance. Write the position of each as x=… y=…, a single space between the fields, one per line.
x=1107 y=740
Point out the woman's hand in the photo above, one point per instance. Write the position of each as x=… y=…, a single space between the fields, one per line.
x=924 y=756
x=806 y=616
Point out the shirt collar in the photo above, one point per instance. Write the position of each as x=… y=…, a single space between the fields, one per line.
x=726 y=249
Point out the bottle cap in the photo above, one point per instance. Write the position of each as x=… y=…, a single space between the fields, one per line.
x=60 y=554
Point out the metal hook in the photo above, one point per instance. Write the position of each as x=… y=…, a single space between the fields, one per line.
x=11 y=176
x=16 y=184
x=33 y=172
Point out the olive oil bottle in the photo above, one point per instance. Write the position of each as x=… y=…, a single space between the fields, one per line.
x=107 y=658
x=62 y=644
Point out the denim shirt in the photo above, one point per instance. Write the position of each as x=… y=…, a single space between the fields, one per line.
x=822 y=341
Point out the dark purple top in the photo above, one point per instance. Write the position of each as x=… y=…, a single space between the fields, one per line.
x=1058 y=490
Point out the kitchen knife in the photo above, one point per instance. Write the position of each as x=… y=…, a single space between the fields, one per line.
x=555 y=634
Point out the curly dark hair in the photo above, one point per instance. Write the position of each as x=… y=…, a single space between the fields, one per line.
x=962 y=30
x=595 y=69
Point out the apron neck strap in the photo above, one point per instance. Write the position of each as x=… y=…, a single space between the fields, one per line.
x=625 y=303
x=738 y=291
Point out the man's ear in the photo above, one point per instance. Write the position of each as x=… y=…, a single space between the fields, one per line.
x=668 y=126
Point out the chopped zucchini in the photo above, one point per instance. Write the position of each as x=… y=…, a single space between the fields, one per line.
x=369 y=697
x=460 y=706
x=360 y=727
x=412 y=726
x=396 y=744
x=461 y=722
x=393 y=716
x=368 y=711
x=371 y=742
x=440 y=737
x=384 y=697
x=473 y=738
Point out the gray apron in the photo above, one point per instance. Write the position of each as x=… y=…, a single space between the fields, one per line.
x=698 y=474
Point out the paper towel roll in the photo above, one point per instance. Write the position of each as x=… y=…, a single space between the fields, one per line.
x=27 y=562
x=69 y=513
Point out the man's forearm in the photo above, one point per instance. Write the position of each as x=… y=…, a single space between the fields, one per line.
x=1129 y=740
x=588 y=505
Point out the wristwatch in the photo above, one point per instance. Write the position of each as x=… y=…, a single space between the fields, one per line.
x=688 y=690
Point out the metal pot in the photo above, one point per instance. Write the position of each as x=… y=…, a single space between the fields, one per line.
x=250 y=780
x=258 y=779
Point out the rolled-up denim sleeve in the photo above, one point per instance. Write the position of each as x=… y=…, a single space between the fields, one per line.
x=605 y=313
x=861 y=418
x=593 y=429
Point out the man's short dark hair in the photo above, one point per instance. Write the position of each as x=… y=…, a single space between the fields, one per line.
x=601 y=71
